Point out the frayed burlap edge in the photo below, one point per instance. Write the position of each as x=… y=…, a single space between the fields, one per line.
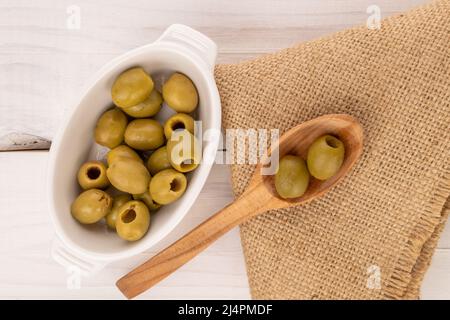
x=416 y=256
x=418 y=252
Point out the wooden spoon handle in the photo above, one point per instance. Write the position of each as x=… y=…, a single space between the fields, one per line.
x=176 y=255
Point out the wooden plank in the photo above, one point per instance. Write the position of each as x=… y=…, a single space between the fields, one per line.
x=44 y=64
x=436 y=284
x=218 y=273
x=27 y=236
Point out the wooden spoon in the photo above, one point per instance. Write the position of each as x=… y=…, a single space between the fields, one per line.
x=259 y=197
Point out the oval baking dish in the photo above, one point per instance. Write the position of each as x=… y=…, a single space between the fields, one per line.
x=180 y=48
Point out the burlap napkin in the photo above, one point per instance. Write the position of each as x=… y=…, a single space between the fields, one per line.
x=383 y=221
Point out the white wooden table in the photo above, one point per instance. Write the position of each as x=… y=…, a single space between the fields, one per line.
x=44 y=61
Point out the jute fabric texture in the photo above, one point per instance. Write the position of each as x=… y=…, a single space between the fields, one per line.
x=383 y=221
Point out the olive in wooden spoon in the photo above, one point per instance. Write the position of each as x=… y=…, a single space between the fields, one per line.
x=259 y=197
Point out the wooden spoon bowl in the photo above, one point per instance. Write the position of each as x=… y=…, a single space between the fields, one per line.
x=259 y=197
x=297 y=141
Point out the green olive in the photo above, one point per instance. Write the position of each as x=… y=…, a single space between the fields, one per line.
x=92 y=174
x=122 y=151
x=158 y=161
x=178 y=121
x=110 y=128
x=131 y=88
x=118 y=201
x=128 y=176
x=167 y=186
x=292 y=177
x=147 y=108
x=144 y=134
x=325 y=157
x=91 y=206
x=180 y=93
x=133 y=220
x=147 y=199
x=183 y=151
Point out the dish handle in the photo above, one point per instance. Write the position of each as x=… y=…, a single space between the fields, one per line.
x=192 y=40
x=74 y=262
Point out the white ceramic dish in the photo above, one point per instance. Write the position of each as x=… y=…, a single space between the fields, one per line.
x=180 y=48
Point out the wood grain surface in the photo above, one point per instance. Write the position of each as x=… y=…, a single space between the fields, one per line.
x=45 y=59
x=43 y=67
x=26 y=235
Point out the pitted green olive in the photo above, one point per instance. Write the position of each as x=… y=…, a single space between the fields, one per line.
x=147 y=199
x=178 y=121
x=128 y=176
x=167 y=186
x=158 y=161
x=91 y=206
x=144 y=134
x=92 y=174
x=180 y=93
x=325 y=157
x=110 y=128
x=133 y=194
x=133 y=220
x=147 y=108
x=122 y=151
x=118 y=201
x=131 y=87
x=292 y=177
x=184 y=151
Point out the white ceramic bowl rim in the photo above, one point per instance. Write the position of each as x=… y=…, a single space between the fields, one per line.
x=202 y=53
